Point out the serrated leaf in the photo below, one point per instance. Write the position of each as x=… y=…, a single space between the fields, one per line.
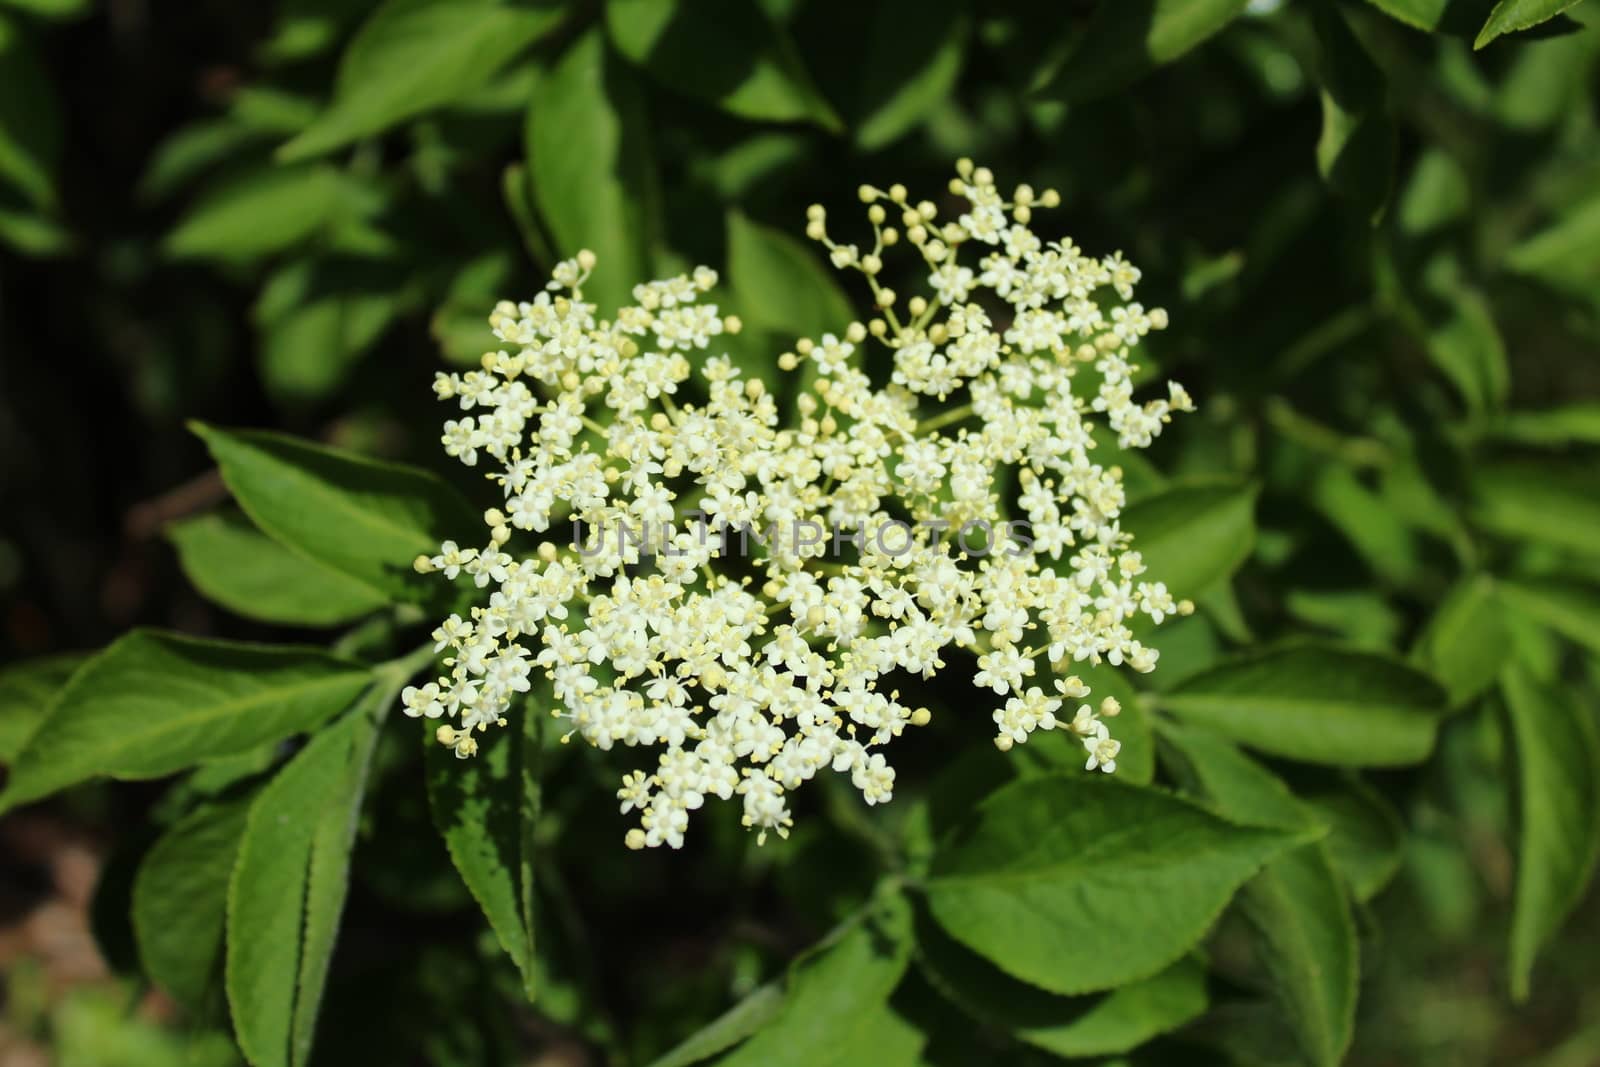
x=1193 y=537
x=587 y=141
x=27 y=690
x=1558 y=772
x=1569 y=606
x=1095 y=1025
x=487 y=808
x=728 y=52
x=1318 y=704
x=288 y=888
x=835 y=1008
x=413 y=56
x=1123 y=42
x=1077 y=886
x=154 y=703
x=1465 y=642
x=366 y=519
x=180 y=900
x=237 y=566
x=1304 y=934
x=1509 y=16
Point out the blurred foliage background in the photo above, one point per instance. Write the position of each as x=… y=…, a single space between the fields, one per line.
x=1380 y=248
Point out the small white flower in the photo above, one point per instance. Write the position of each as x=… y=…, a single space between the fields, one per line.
x=858 y=515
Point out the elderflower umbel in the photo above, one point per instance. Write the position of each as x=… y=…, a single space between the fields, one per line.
x=752 y=664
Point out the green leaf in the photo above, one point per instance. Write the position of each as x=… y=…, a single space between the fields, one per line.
x=1465 y=642
x=1556 y=504
x=1577 y=423
x=288 y=889
x=413 y=56
x=1385 y=541
x=1445 y=16
x=1566 y=254
x=27 y=690
x=592 y=173
x=461 y=324
x=750 y=1015
x=29 y=232
x=1569 y=606
x=1077 y=886
x=884 y=1039
x=1509 y=16
x=180 y=899
x=315 y=320
x=365 y=519
x=265 y=212
x=30 y=119
x=1213 y=768
x=836 y=1003
x=763 y=261
x=306 y=28
x=1365 y=836
x=1054 y=750
x=191 y=151
x=154 y=703
x=1125 y=41
x=913 y=58
x=1193 y=537
x=50 y=9
x=726 y=51
x=1306 y=940
x=1304 y=934
x=1437 y=194
x=1355 y=153
x=240 y=568
x=1362 y=617
x=1317 y=704
x=1466 y=346
x=1543 y=84
x=1096 y=1025
x=487 y=809
x=1532 y=645
x=1558 y=765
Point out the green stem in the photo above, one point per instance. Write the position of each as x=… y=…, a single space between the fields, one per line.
x=1356 y=451
x=944 y=418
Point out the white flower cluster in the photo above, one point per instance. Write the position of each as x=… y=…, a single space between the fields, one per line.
x=754 y=663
